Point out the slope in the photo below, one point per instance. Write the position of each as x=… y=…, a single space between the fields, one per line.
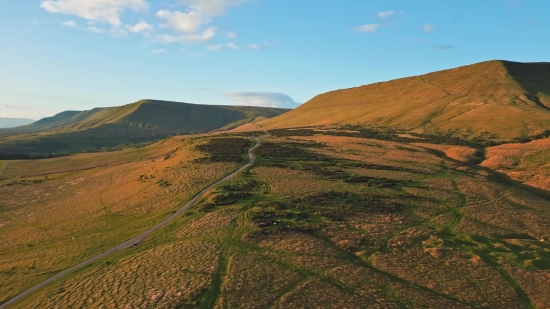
x=502 y=98
x=137 y=122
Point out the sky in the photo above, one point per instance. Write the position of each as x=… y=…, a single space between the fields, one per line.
x=58 y=55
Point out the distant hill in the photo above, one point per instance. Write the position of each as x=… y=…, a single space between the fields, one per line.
x=14 y=122
x=141 y=121
x=149 y=117
x=501 y=98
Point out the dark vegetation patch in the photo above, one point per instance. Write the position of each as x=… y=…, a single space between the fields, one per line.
x=377 y=182
x=542 y=135
x=311 y=213
x=277 y=221
x=224 y=149
x=335 y=205
x=164 y=183
x=233 y=192
x=372 y=166
x=282 y=152
x=45 y=148
x=146 y=178
x=25 y=182
x=325 y=171
x=334 y=171
x=390 y=134
x=476 y=158
x=297 y=156
x=245 y=184
x=22 y=156
x=29 y=153
x=226 y=198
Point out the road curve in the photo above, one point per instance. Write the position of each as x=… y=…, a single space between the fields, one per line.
x=134 y=241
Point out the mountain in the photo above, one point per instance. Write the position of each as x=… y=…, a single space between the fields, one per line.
x=502 y=98
x=150 y=117
x=49 y=122
x=137 y=122
x=14 y=122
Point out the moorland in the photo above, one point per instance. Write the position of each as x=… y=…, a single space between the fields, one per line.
x=339 y=215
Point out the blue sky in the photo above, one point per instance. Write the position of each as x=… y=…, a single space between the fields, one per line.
x=78 y=54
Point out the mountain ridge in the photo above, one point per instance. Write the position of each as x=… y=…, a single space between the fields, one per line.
x=460 y=100
x=136 y=122
x=142 y=114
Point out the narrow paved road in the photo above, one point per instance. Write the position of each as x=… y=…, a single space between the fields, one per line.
x=132 y=242
x=5 y=168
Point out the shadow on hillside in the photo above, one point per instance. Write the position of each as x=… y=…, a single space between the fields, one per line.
x=494 y=175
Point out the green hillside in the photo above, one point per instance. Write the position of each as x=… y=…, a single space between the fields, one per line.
x=142 y=121
x=502 y=98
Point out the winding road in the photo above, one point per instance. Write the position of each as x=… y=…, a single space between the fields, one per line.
x=132 y=242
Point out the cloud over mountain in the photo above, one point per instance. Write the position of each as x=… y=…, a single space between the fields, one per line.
x=263 y=99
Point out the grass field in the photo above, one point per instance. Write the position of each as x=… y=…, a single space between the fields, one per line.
x=320 y=221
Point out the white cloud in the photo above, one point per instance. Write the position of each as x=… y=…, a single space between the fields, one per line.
x=265 y=99
x=214 y=47
x=70 y=23
x=369 y=28
x=234 y=46
x=184 y=22
x=428 y=28
x=205 y=36
x=95 y=30
x=95 y=10
x=255 y=46
x=386 y=14
x=158 y=51
x=199 y=12
x=139 y=27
